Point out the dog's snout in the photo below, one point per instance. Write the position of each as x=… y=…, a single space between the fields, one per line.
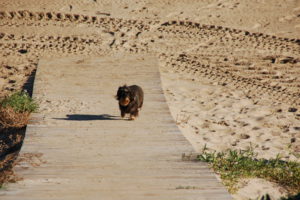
x=125 y=101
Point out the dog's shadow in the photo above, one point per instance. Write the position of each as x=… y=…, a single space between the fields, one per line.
x=82 y=117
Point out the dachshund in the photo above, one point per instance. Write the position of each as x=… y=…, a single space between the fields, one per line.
x=130 y=100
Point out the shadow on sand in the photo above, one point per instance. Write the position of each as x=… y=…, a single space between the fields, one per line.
x=81 y=117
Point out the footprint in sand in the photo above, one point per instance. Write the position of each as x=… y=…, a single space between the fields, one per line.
x=287 y=18
x=244 y=136
x=255 y=26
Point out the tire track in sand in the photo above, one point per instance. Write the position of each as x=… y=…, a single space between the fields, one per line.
x=252 y=87
x=257 y=63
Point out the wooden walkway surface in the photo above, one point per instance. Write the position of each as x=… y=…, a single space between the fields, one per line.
x=78 y=147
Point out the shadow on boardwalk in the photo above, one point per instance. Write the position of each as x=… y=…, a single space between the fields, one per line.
x=82 y=117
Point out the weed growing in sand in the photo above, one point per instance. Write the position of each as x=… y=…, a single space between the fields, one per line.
x=19 y=102
x=15 y=110
x=233 y=165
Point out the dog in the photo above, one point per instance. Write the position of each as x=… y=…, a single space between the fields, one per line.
x=130 y=100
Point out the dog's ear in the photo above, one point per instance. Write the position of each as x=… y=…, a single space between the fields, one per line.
x=118 y=93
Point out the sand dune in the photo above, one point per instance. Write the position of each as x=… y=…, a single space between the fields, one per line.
x=230 y=69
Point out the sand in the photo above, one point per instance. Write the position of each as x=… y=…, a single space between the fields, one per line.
x=230 y=69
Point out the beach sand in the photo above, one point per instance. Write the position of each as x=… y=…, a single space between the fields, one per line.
x=230 y=69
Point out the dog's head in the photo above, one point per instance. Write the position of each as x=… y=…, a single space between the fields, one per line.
x=124 y=95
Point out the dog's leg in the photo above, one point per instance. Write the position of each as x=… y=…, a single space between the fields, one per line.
x=122 y=114
x=132 y=117
x=134 y=114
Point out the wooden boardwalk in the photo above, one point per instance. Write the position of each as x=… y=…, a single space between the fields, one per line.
x=78 y=147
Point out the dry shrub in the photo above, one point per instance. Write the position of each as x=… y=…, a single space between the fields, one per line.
x=9 y=118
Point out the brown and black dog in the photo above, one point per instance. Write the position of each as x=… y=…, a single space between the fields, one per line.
x=130 y=100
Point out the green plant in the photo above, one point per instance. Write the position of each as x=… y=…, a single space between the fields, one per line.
x=233 y=165
x=15 y=110
x=20 y=102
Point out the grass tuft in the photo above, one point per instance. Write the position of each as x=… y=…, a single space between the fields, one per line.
x=15 y=110
x=233 y=165
x=20 y=102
